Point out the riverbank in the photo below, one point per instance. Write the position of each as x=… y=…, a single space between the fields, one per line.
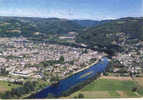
x=116 y=78
x=108 y=87
x=101 y=55
x=76 y=72
x=73 y=80
x=84 y=68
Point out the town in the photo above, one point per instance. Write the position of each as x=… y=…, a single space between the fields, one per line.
x=23 y=58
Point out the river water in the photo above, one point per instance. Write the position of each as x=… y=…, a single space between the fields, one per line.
x=73 y=80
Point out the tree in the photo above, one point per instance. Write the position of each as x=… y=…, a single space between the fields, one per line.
x=54 y=79
x=7 y=95
x=3 y=71
x=80 y=95
x=75 y=97
x=71 y=62
x=134 y=89
x=61 y=59
x=85 y=51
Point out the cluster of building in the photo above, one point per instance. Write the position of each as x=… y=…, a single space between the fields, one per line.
x=17 y=53
x=132 y=56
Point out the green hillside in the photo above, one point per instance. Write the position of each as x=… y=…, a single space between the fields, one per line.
x=26 y=26
x=108 y=35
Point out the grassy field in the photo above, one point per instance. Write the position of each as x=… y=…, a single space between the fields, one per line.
x=108 y=88
x=5 y=86
x=139 y=81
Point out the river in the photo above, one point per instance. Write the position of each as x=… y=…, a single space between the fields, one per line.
x=69 y=82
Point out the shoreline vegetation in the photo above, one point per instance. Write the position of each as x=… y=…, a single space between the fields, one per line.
x=35 y=91
x=68 y=77
x=110 y=87
x=75 y=91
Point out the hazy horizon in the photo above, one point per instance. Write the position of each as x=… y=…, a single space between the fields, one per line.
x=72 y=19
x=72 y=9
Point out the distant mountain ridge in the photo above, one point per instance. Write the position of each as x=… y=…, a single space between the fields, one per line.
x=29 y=26
x=90 y=23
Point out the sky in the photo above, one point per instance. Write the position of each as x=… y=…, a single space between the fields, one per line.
x=72 y=9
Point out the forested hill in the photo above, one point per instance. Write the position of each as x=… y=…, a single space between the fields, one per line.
x=32 y=26
x=99 y=34
x=91 y=32
x=109 y=34
x=28 y=26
